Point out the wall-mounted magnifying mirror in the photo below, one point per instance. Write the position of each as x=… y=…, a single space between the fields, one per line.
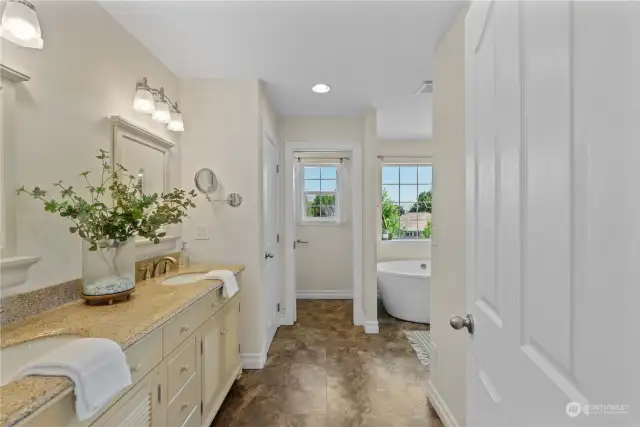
x=206 y=182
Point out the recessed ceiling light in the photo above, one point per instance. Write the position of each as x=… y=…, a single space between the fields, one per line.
x=321 y=88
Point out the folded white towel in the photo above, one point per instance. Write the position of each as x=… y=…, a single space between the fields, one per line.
x=97 y=367
x=230 y=284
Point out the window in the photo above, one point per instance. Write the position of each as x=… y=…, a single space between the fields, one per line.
x=320 y=193
x=406 y=202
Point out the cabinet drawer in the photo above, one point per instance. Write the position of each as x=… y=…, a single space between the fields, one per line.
x=181 y=366
x=183 y=404
x=143 y=356
x=184 y=324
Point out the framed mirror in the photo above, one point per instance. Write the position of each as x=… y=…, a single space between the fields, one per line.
x=206 y=182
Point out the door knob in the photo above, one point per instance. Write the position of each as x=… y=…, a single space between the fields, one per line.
x=268 y=255
x=458 y=322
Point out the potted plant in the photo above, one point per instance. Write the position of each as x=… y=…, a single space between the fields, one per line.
x=108 y=222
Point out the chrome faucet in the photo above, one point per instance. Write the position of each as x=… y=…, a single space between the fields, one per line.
x=157 y=265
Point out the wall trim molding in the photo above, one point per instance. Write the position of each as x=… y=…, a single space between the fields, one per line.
x=371 y=327
x=443 y=411
x=324 y=294
x=13 y=75
x=359 y=318
x=253 y=360
x=122 y=123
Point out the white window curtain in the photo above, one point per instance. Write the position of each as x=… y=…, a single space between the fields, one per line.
x=343 y=191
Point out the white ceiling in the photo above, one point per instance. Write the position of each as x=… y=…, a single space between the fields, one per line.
x=374 y=54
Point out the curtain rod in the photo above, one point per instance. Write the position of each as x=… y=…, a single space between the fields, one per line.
x=342 y=159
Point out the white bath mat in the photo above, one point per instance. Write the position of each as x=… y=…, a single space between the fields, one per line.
x=421 y=343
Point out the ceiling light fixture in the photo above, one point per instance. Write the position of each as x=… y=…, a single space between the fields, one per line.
x=321 y=88
x=155 y=102
x=20 y=24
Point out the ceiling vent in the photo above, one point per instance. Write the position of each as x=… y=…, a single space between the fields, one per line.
x=427 y=87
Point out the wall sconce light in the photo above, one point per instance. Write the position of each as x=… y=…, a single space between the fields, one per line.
x=20 y=24
x=155 y=102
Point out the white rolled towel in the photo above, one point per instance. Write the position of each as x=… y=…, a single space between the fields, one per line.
x=230 y=284
x=97 y=367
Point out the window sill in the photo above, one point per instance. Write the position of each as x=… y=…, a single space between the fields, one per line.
x=322 y=223
x=403 y=241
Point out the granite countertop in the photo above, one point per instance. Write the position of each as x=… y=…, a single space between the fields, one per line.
x=126 y=322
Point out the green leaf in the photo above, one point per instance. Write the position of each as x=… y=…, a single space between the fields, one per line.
x=73 y=229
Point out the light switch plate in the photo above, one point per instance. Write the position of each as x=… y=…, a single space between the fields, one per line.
x=202 y=232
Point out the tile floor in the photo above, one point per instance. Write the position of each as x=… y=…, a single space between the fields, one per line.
x=325 y=372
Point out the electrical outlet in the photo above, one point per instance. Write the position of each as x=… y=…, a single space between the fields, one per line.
x=202 y=232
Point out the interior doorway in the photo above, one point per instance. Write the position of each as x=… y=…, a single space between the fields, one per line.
x=323 y=233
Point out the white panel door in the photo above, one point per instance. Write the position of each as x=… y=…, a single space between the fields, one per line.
x=553 y=213
x=270 y=237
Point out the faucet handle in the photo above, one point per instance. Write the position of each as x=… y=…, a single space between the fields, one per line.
x=146 y=271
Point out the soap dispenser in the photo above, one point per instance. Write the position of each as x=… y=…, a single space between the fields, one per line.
x=184 y=258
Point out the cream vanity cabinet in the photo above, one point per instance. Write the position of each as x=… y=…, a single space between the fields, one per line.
x=181 y=373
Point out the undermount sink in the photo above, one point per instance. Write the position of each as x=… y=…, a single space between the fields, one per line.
x=13 y=358
x=183 y=279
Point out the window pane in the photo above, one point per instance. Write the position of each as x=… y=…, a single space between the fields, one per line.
x=329 y=172
x=408 y=193
x=423 y=188
x=328 y=211
x=311 y=172
x=390 y=174
x=393 y=191
x=408 y=174
x=311 y=185
x=328 y=185
x=425 y=175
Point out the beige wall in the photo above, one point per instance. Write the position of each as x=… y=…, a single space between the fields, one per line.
x=87 y=71
x=224 y=135
x=448 y=373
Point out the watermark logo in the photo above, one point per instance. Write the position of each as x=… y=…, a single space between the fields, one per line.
x=574 y=409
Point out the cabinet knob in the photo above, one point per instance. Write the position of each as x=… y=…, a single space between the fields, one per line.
x=184 y=406
x=184 y=328
x=224 y=331
x=184 y=368
x=136 y=368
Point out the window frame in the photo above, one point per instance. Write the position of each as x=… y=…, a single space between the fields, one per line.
x=411 y=163
x=313 y=220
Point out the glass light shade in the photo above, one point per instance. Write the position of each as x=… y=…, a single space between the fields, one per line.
x=176 y=124
x=143 y=101
x=162 y=113
x=20 y=24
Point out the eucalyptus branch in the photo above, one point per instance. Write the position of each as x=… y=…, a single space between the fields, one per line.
x=130 y=214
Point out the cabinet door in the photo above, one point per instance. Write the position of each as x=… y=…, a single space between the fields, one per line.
x=140 y=407
x=231 y=350
x=212 y=360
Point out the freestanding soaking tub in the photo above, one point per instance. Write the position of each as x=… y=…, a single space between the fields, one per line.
x=405 y=288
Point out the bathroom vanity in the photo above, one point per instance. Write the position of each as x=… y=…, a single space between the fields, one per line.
x=181 y=344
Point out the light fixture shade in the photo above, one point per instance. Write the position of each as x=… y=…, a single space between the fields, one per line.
x=20 y=24
x=162 y=113
x=176 y=124
x=143 y=101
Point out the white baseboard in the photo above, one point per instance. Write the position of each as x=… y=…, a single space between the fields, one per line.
x=253 y=360
x=324 y=294
x=440 y=406
x=371 y=327
x=359 y=318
